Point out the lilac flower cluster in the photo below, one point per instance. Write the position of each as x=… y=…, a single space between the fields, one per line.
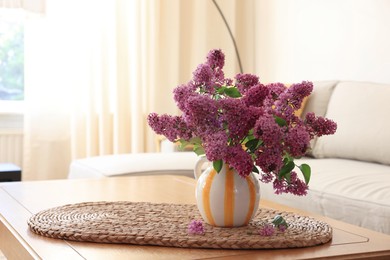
x=244 y=123
x=294 y=186
x=267 y=230
x=195 y=227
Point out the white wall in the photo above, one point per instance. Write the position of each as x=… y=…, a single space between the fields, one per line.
x=323 y=40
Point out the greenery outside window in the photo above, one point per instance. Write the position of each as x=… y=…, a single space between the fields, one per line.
x=11 y=59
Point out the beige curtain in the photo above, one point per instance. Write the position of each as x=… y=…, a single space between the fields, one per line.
x=95 y=69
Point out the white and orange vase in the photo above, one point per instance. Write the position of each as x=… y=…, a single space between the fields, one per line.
x=225 y=199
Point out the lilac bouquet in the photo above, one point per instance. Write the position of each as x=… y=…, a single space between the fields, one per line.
x=244 y=123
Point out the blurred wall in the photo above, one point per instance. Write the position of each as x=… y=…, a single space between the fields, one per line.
x=322 y=40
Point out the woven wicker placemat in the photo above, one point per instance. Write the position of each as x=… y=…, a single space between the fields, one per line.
x=144 y=223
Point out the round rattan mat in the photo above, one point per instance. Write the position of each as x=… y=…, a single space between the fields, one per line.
x=144 y=223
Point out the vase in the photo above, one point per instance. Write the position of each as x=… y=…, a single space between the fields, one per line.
x=225 y=199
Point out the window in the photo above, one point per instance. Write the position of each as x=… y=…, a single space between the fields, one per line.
x=11 y=55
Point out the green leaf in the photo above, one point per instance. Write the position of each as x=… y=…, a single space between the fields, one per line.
x=306 y=171
x=199 y=150
x=255 y=170
x=221 y=90
x=287 y=168
x=232 y=92
x=280 y=121
x=279 y=221
x=288 y=177
x=288 y=157
x=253 y=144
x=248 y=137
x=195 y=140
x=217 y=165
x=183 y=144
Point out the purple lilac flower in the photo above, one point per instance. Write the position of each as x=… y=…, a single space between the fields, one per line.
x=216 y=59
x=215 y=145
x=283 y=107
x=203 y=76
x=297 y=140
x=266 y=230
x=255 y=96
x=282 y=228
x=238 y=117
x=266 y=177
x=222 y=122
x=219 y=78
x=181 y=94
x=202 y=114
x=239 y=159
x=296 y=186
x=163 y=125
x=269 y=159
x=256 y=112
x=275 y=89
x=291 y=99
x=268 y=130
x=183 y=131
x=299 y=91
x=319 y=126
x=227 y=82
x=245 y=82
x=172 y=127
x=196 y=227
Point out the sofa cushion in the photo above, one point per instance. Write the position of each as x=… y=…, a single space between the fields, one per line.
x=361 y=112
x=319 y=98
x=347 y=190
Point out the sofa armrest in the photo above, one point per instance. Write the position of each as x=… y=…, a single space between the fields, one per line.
x=175 y=163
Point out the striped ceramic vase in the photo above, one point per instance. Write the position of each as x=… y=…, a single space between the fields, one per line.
x=225 y=199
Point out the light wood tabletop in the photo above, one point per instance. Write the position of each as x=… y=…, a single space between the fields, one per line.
x=20 y=200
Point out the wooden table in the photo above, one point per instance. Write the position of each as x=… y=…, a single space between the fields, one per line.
x=18 y=201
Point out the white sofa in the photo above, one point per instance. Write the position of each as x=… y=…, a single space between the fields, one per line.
x=173 y=163
x=350 y=170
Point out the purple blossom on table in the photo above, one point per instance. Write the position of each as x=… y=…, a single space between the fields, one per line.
x=196 y=227
x=244 y=123
x=266 y=230
x=282 y=228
